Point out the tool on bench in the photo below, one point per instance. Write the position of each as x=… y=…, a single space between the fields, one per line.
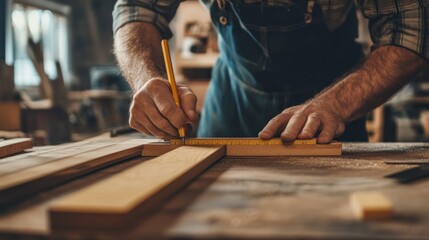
x=250 y=147
x=411 y=174
x=121 y=130
x=408 y=162
x=172 y=80
x=238 y=141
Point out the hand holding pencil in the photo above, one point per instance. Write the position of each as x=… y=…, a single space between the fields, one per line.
x=161 y=108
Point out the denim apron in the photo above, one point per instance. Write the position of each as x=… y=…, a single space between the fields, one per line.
x=271 y=59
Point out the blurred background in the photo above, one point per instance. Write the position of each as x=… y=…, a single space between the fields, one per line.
x=59 y=81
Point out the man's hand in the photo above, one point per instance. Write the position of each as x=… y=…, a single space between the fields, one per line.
x=385 y=71
x=154 y=112
x=317 y=117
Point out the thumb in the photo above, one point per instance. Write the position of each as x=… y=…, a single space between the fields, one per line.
x=188 y=102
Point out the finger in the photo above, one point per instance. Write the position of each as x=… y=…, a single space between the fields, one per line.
x=294 y=127
x=188 y=102
x=157 y=119
x=275 y=126
x=327 y=133
x=311 y=127
x=169 y=110
x=340 y=130
x=152 y=128
x=143 y=111
x=135 y=125
x=140 y=120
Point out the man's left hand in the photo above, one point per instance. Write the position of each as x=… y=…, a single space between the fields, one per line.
x=315 y=118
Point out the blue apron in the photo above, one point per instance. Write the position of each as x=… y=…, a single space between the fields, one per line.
x=271 y=59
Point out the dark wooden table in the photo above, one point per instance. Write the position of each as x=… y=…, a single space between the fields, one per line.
x=263 y=198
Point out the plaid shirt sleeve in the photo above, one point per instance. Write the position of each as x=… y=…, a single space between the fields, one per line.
x=401 y=23
x=157 y=12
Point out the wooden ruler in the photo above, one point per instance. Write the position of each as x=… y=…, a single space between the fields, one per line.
x=238 y=141
x=115 y=202
x=250 y=147
x=28 y=181
x=13 y=146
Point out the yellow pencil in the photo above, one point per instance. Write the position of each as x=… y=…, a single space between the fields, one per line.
x=171 y=79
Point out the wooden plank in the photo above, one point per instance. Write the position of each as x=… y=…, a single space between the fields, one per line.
x=13 y=146
x=24 y=161
x=238 y=141
x=235 y=148
x=24 y=183
x=115 y=202
x=371 y=205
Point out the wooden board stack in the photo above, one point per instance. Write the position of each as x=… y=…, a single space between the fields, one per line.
x=115 y=202
x=26 y=174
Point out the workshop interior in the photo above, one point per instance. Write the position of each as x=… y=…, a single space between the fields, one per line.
x=71 y=166
x=61 y=82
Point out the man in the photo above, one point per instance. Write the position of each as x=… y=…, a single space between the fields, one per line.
x=288 y=68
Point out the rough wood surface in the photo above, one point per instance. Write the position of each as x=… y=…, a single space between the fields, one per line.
x=261 y=198
x=13 y=146
x=263 y=150
x=115 y=202
x=56 y=167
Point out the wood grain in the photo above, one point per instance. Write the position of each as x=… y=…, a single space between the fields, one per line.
x=116 y=201
x=28 y=181
x=23 y=161
x=238 y=141
x=13 y=146
x=269 y=150
x=261 y=198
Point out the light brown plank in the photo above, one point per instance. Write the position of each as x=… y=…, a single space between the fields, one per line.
x=23 y=161
x=371 y=205
x=116 y=201
x=270 y=150
x=13 y=146
x=238 y=141
x=21 y=184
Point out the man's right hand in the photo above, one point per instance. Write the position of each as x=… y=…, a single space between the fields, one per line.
x=154 y=112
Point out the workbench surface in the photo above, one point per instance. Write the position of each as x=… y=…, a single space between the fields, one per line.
x=263 y=198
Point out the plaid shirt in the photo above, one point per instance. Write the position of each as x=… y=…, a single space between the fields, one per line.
x=402 y=23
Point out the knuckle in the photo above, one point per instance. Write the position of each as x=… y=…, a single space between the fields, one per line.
x=190 y=96
x=132 y=123
x=163 y=124
x=167 y=109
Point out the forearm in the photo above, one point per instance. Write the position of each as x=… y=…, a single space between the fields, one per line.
x=138 y=52
x=385 y=71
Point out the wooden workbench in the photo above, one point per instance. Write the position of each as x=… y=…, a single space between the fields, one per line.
x=262 y=198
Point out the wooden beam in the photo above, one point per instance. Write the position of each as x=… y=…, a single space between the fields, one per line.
x=371 y=205
x=20 y=184
x=13 y=146
x=115 y=202
x=238 y=141
x=251 y=147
